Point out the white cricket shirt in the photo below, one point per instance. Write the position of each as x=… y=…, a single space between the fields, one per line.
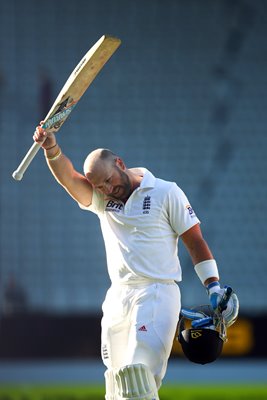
x=141 y=236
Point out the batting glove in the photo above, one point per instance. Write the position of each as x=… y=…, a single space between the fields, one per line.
x=199 y=319
x=224 y=302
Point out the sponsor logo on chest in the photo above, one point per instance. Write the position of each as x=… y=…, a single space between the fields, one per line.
x=142 y=207
x=113 y=205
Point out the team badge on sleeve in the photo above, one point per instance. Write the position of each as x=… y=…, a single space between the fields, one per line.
x=190 y=211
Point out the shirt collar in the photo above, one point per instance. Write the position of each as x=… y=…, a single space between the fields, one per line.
x=148 y=180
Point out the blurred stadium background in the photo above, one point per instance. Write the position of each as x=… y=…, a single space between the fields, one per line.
x=185 y=96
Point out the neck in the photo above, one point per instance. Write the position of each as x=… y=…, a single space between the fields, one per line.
x=135 y=179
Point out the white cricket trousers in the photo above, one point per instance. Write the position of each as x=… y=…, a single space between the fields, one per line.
x=139 y=324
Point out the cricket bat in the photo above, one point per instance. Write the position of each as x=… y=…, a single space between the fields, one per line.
x=75 y=86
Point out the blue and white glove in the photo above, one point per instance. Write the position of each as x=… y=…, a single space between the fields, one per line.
x=199 y=319
x=224 y=302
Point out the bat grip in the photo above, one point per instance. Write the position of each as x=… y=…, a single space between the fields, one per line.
x=18 y=174
x=224 y=301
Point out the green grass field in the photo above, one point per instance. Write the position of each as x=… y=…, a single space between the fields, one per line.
x=195 y=392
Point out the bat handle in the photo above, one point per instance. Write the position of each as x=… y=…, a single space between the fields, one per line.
x=223 y=303
x=18 y=174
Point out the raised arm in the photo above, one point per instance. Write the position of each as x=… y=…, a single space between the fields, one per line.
x=62 y=168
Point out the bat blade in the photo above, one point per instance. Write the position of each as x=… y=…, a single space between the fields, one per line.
x=76 y=85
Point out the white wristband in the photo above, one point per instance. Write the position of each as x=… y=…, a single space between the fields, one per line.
x=207 y=269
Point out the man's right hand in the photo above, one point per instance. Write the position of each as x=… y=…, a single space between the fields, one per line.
x=47 y=140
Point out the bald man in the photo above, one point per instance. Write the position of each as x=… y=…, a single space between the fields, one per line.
x=142 y=218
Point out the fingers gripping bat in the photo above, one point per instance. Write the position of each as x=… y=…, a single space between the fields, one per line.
x=75 y=86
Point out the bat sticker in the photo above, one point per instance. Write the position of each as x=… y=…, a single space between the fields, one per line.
x=62 y=112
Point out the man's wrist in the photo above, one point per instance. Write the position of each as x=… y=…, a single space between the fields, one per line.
x=206 y=271
x=211 y=282
x=54 y=154
x=213 y=287
x=51 y=147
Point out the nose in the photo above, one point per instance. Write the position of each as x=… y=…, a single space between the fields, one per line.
x=108 y=188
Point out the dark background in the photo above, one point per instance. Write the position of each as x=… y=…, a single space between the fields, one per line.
x=185 y=96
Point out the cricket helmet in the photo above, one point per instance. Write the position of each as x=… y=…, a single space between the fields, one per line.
x=204 y=344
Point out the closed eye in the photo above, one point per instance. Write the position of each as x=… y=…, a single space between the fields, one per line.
x=100 y=187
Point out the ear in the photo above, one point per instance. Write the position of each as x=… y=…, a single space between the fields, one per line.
x=120 y=163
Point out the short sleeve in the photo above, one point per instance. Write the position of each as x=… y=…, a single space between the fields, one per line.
x=97 y=205
x=181 y=214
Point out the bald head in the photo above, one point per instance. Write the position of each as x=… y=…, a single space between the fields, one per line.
x=99 y=164
x=98 y=159
x=108 y=174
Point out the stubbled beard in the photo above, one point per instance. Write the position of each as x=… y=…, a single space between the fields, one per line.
x=125 y=189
